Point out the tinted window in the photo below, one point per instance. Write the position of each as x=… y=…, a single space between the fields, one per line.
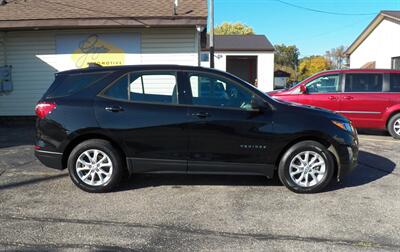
x=324 y=84
x=119 y=89
x=211 y=91
x=149 y=87
x=154 y=87
x=363 y=83
x=394 y=82
x=68 y=84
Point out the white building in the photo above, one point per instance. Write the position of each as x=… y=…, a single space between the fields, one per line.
x=378 y=46
x=250 y=57
x=39 y=38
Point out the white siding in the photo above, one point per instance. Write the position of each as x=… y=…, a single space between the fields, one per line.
x=265 y=66
x=32 y=76
x=380 y=46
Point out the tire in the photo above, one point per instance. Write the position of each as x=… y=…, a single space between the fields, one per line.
x=104 y=175
x=318 y=173
x=394 y=126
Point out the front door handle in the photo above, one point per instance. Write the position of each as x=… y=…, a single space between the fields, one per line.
x=348 y=97
x=201 y=114
x=114 y=108
x=332 y=98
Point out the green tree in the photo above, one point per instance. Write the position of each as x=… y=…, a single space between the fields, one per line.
x=312 y=65
x=287 y=59
x=233 y=29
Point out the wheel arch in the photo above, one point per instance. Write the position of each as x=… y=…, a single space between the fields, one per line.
x=392 y=113
x=88 y=136
x=315 y=138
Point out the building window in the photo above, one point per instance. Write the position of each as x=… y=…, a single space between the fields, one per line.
x=396 y=62
x=205 y=57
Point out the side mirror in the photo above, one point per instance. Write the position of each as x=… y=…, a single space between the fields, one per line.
x=303 y=89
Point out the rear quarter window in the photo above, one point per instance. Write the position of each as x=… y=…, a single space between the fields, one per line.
x=394 y=82
x=65 y=85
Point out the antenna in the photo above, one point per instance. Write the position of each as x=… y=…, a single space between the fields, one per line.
x=176 y=3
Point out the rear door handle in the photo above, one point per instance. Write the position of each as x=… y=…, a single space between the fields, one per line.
x=201 y=114
x=114 y=108
x=348 y=97
x=332 y=98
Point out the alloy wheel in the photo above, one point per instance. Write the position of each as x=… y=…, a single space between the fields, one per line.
x=307 y=169
x=396 y=126
x=94 y=167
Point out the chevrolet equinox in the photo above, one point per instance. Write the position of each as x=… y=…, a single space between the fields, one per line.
x=104 y=122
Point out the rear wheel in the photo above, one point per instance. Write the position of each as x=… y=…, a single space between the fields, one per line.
x=306 y=167
x=95 y=166
x=394 y=126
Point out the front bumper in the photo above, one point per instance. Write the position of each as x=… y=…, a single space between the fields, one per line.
x=50 y=159
x=348 y=156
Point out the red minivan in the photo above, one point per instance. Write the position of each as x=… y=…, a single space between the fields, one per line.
x=370 y=98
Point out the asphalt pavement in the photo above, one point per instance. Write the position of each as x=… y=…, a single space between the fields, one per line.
x=40 y=208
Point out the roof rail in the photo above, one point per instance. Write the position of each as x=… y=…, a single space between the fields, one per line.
x=94 y=65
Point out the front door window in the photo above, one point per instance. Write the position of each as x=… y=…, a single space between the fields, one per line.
x=324 y=84
x=208 y=90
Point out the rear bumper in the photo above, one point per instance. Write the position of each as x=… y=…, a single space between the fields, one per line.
x=50 y=159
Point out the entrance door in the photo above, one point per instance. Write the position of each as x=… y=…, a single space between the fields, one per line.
x=244 y=67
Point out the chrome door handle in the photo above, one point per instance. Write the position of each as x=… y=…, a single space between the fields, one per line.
x=114 y=108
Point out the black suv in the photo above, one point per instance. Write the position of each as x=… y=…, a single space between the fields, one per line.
x=101 y=122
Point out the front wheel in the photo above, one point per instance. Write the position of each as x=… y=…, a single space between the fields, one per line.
x=95 y=166
x=394 y=126
x=306 y=167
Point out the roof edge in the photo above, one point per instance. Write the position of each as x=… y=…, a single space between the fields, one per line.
x=102 y=22
x=368 y=30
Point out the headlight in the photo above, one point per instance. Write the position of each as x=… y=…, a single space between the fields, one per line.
x=344 y=126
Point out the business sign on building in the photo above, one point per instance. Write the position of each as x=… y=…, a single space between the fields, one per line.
x=107 y=49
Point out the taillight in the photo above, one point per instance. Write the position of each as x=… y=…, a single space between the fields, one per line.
x=44 y=108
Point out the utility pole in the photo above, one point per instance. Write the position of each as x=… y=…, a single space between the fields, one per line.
x=211 y=33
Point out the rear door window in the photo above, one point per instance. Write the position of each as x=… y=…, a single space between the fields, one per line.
x=360 y=82
x=394 y=82
x=151 y=87
x=65 y=85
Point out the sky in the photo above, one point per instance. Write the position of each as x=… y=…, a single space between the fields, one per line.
x=314 y=26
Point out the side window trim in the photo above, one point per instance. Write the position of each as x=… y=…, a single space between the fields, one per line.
x=178 y=77
x=188 y=90
x=386 y=83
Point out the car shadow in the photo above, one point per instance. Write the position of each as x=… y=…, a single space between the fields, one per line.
x=138 y=181
x=371 y=168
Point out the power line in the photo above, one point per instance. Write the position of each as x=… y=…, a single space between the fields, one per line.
x=323 y=11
